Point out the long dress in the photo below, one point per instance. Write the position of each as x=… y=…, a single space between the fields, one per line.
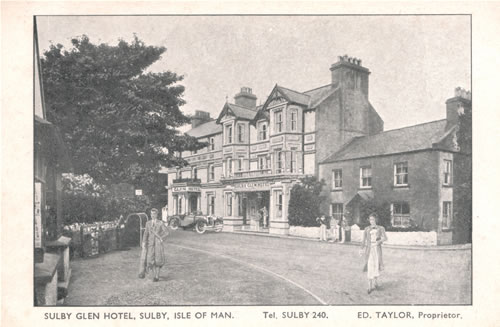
x=154 y=238
x=373 y=251
x=373 y=260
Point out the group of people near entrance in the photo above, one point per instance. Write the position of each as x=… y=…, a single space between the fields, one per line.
x=153 y=255
x=371 y=246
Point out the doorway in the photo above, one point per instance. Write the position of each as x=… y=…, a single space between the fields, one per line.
x=193 y=203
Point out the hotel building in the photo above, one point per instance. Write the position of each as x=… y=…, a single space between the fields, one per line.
x=255 y=154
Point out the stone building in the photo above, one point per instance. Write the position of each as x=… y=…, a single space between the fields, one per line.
x=255 y=154
x=410 y=168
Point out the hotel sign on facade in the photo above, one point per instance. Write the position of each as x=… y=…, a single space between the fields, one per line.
x=181 y=189
x=254 y=186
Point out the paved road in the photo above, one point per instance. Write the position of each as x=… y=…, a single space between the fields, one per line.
x=228 y=268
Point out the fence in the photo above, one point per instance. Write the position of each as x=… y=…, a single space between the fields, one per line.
x=89 y=240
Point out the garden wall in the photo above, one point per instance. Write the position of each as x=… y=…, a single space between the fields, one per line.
x=394 y=238
x=400 y=238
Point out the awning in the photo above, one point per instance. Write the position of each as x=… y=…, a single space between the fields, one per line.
x=361 y=196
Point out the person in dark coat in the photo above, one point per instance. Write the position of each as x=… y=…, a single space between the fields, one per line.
x=373 y=237
x=153 y=244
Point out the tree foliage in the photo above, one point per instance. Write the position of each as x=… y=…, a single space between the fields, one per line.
x=118 y=121
x=85 y=201
x=305 y=201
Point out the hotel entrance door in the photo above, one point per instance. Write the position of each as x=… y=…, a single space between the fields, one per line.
x=193 y=203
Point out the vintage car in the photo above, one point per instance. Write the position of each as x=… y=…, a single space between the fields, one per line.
x=197 y=221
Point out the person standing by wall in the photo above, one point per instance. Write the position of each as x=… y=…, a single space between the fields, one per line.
x=322 y=227
x=373 y=237
x=334 y=229
x=153 y=245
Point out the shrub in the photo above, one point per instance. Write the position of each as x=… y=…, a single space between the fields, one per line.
x=304 y=204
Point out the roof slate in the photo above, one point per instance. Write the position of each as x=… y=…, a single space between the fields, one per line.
x=208 y=128
x=412 y=138
x=243 y=112
x=294 y=96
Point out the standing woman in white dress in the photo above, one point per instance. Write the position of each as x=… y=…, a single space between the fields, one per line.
x=373 y=237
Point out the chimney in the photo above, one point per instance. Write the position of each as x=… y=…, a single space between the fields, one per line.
x=457 y=105
x=246 y=98
x=199 y=118
x=348 y=73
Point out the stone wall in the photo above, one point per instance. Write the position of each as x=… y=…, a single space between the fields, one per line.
x=393 y=238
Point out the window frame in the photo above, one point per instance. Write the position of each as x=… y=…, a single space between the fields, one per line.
x=335 y=179
x=448 y=218
x=397 y=175
x=211 y=204
x=361 y=177
x=194 y=173
x=263 y=131
x=263 y=159
x=240 y=133
x=278 y=124
x=229 y=134
x=294 y=122
x=229 y=204
x=400 y=215
x=229 y=166
x=280 y=163
x=334 y=213
x=211 y=172
x=212 y=143
x=278 y=203
x=448 y=174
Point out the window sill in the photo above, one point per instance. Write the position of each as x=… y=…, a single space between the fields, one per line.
x=336 y=190
x=447 y=185
x=365 y=188
x=401 y=186
x=446 y=230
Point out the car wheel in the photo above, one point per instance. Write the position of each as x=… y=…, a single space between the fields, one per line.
x=201 y=227
x=174 y=224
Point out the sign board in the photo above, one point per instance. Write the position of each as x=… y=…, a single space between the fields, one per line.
x=252 y=186
x=138 y=192
x=178 y=189
x=38 y=215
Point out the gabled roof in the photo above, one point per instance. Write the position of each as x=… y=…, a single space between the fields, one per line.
x=310 y=99
x=318 y=95
x=237 y=111
x=205 y=129
x=293 y=96
x=407 y=139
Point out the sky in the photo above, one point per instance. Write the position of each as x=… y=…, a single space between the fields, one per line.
x=416 y=62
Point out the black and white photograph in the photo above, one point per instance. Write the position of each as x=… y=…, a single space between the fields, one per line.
x=252 y=160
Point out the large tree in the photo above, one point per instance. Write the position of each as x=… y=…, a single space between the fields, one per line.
x=118 y=120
